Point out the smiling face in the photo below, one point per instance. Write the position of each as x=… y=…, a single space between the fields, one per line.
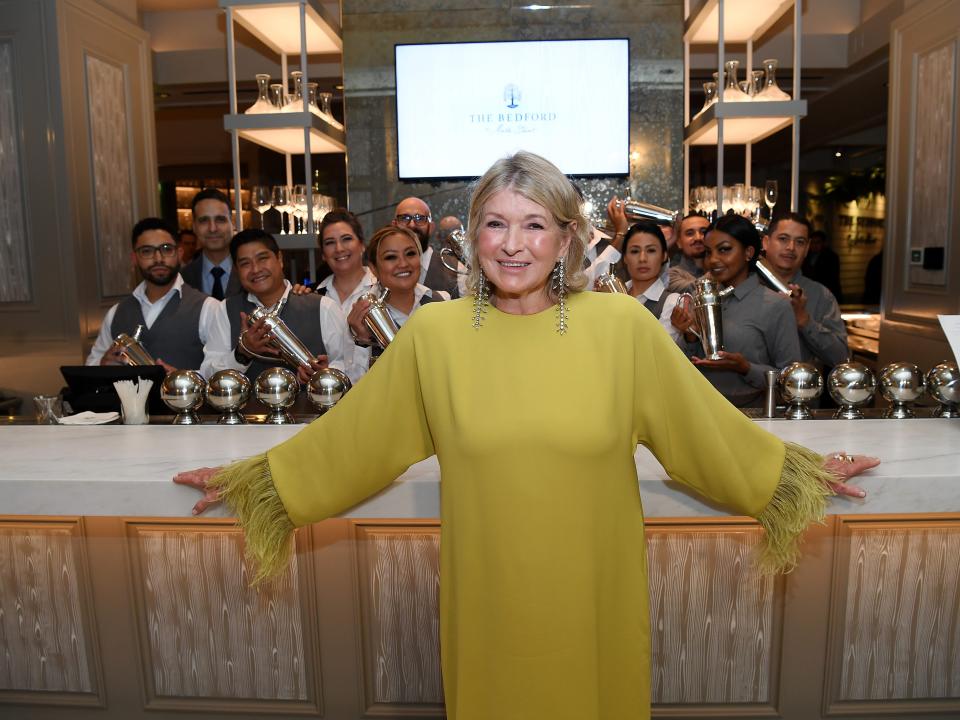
x=397 y=262
x=518 y=245
x=212 y=225
x=643 y=257
x=341 y=248
x=726 y=258
x=787 y=246
x=260 y=271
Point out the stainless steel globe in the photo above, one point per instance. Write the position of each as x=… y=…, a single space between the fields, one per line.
x=227 y=392
x=851 y=385
x=277 y=388
x=943 y=385
x=901 y=383
x=326 y=387
x=182 y=391
x=799 y=383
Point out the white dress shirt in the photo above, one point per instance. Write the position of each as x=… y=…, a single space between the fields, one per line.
x=216 y=344
x=367 y=284
x=599 y=256
x=333 y=325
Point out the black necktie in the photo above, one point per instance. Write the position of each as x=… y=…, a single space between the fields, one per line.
x=218 y=273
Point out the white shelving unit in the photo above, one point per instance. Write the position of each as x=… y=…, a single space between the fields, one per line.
x=719 y=22
x=288 y=27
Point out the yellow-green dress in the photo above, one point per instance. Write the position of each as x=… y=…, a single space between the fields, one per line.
x=543 y=566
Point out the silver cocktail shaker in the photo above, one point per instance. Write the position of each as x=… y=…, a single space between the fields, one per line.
x=291 y=348
x=379 y=320
x=456 y=245
x=132 y=349
x=609 y=283
x=771 y=278
x=636 y=210
x=706 y=310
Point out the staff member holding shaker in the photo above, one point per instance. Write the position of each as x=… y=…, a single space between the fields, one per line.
x=315 y=320
x=394 y=253
x=644 y=254
x=759 y=330
x=180 y=328
x=543 y=583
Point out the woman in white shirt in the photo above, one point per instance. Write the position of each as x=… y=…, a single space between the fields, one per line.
x=644 y=255
x=341 y=244
x=394 y=253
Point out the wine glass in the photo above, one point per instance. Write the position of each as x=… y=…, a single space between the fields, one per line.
x=298 y=202
x=280 y=199
x=770 y=192
x=260 y=199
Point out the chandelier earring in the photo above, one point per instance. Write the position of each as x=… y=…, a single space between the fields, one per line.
x=560 y=288
x=481 y=296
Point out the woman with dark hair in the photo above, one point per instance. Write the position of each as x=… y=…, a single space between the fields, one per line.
x=395 y=258
x=759 y=328
x=341 y=244
x=644 y=255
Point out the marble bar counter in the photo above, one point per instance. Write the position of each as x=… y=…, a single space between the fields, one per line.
x=117 y=604
x=126 y=470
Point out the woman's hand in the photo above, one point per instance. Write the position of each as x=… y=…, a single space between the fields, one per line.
x=683 y=320
x=299 y=289
x=359 y=331
x=618 y=219
x=198 y=479
x=844 y=467
x=729 y=361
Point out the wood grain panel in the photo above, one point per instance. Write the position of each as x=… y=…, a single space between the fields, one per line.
x=711 y=617
x=901 y=627
x=43 y=632
x=399 y=574
x=207 y=633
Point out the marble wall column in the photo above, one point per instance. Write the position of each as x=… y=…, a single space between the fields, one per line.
x=371 y=29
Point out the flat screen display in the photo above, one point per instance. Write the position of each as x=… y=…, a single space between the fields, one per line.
x=462 y=106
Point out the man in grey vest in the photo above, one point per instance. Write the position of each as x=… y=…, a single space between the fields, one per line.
x=823 y=335
x=314 y=319
x=178 y=322
x=414 y=214
x=211 y=270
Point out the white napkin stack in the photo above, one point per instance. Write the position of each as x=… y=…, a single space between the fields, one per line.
x=89 y=418
x=133 y=399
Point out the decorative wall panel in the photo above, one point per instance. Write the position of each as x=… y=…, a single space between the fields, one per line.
x=43 y=633
x=933 y=131
x=399 y=596
x=207 y=633
x=110 y=166
x=901 y=633
x=14 y=255
x=711 y=618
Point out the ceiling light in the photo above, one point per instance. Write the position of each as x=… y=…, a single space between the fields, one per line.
x=838 y=154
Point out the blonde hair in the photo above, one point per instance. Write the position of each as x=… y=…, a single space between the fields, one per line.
x=539 y=181
x=386 y=231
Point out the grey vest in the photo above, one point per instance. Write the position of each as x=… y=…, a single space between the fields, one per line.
x=301 y=314
x=440 y=277
x=175 y=335
x=656 y=306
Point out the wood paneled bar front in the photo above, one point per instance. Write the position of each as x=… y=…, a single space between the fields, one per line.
x=116 y=603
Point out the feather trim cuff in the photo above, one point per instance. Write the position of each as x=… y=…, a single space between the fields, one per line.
x=799 y=500
x=247 y=487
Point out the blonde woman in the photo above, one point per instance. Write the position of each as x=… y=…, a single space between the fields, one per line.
x=543 y=596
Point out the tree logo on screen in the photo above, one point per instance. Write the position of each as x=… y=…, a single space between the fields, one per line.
x=512 y=96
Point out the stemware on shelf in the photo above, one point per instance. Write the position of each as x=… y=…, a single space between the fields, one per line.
x=296 y=102
x=263 y=104
x=325 y=99
x=770 y=192
x=260 y=200
x=312 y=98
x=757 y=78
x=731 y=91
x=280 y=199
x=277 y=97
x=770 y=91
x=709 y=95
x=298 y=204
